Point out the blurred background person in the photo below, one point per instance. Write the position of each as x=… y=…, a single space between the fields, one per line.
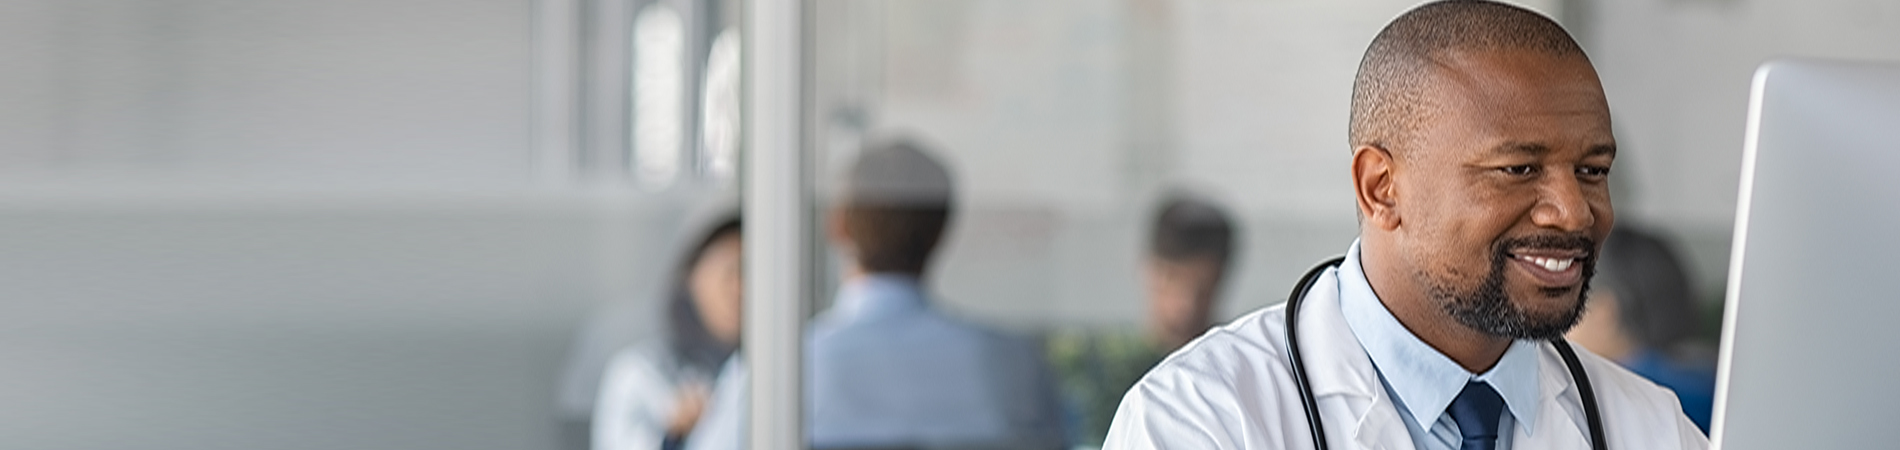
x=651 y=394
x=1642 y=315
x=1189 y=248
x=886 y=369
x=1190 y=244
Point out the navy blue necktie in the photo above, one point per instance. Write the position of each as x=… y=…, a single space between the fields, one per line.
x=1476 y=411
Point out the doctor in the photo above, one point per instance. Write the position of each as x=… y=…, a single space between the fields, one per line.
x=1481 y=151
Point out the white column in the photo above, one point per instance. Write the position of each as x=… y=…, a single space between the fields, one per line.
x=776 y=201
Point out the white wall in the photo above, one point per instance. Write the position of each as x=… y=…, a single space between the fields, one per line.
x=288 y=225
x=304 y=321
x=219 y=92
x=1677 y=73
x=1063 y=119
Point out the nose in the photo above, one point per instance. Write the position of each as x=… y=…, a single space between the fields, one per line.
x=1562 y=206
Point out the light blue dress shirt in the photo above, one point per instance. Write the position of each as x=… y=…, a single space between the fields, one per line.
x=1423 y=381
x=884 y=368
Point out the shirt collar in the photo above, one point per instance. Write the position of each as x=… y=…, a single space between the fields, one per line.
x=880 y=294
x=1425 y=380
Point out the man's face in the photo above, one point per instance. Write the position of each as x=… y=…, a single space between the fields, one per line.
x=1504 y=193
x=1181 y=295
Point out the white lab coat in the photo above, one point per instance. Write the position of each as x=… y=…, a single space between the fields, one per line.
x=1233 y=388
x=639 y=394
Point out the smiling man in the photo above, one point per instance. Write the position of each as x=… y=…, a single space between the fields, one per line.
x=1481 y=152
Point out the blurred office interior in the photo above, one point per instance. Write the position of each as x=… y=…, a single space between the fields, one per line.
x=308 y=224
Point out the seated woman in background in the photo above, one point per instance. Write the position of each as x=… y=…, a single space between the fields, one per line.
x=651 y=395
x=1642 y=314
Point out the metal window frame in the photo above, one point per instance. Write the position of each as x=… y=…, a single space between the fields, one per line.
x=582 y=110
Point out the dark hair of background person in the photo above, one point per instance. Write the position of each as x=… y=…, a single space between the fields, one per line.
x=896 y=206
x=1189 y=228
x=1654 y=297
x=691 y=343
x=1388 y=94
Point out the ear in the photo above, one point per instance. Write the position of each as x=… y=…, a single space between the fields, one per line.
x=1373 y=184
x=836 y=228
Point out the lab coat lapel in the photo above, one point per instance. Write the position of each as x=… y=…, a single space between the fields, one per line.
x=1344 y=381
x=1560 y=421
x=1380 y=427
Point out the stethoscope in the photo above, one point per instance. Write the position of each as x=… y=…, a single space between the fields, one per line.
x=1590 y=412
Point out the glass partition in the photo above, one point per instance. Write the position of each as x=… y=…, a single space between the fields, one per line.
x=1121 y=175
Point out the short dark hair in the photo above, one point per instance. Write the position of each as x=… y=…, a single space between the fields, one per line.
x=1388 y=95
x=1188 y=227
x=1654 y=297
x=897 y=200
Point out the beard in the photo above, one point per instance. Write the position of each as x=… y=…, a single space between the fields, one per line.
x=1489 y=309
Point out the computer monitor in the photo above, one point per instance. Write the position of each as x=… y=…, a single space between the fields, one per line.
x=1811 y=338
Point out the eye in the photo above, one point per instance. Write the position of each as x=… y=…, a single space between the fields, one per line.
x=1593 y=172
x=1519 y=170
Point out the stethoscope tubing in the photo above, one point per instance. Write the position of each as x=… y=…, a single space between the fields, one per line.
x=1311 y=406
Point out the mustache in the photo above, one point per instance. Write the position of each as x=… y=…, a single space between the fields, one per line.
x=1548 y=242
